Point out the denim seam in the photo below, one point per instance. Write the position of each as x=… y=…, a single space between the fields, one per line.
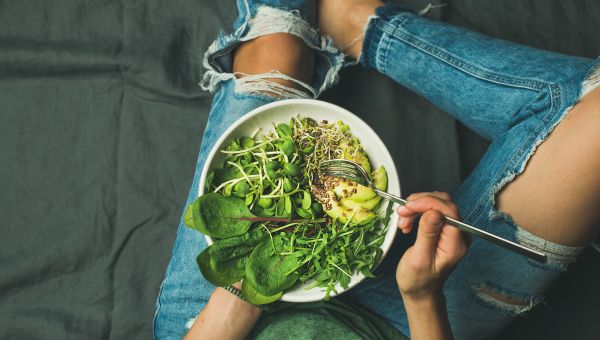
x=381 y=59
x=502 y=175
x=559 y=255
x=476 y=71
x=175 y=246
x=382 y=65
x=370 y=48
x=507 y=170
x=524 y=149
x=158 y=306
x=535 y=138
x=189 y=199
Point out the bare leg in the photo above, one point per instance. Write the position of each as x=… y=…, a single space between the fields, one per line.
x=292 y=58
x=225 y=315
x=344 y=21
x=557 y=195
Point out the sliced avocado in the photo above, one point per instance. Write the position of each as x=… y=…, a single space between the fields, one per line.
x=380 y=178
x=354 y=191
x=367 y=205
x=336 y=210
x=359 y=157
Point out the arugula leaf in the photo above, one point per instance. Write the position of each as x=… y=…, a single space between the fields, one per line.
x=387 y=216
x=268 y=270
x=218 y=216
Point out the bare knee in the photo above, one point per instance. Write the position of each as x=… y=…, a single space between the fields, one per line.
x=278 y=53
x=557 y=195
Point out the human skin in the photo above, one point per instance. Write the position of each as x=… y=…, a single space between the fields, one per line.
x=421 y=271
x=426 y=265
x=557 y=194
x=226 y=316
x=554 y=198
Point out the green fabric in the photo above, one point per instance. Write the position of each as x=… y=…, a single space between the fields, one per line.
x=335 y=319
x=101 y=121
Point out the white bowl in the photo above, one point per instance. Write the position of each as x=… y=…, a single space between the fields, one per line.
x=281 y=112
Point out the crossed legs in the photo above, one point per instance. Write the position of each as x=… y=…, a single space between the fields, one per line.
x=537 y=183
x=556 y=197
x=568 y=221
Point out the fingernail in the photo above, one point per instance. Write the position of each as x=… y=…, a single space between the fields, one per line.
x=410 y=203
x=400 y=209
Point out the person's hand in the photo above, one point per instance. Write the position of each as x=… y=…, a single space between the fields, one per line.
x=425 y=266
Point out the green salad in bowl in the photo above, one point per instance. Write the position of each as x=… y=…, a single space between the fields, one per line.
x=275 y=223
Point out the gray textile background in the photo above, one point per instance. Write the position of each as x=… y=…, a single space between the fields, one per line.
x=100 y=124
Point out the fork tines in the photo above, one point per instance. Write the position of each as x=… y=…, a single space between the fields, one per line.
x=344 y=169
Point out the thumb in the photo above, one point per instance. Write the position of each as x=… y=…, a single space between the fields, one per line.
x=430 y=226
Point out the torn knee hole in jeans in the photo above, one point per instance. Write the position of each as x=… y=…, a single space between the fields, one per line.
x=505 y=301
x=559 y=256
x=266 y=84
x=592 y=80
x=267 y=20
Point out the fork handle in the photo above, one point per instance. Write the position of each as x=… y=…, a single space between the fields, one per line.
x=510 y=245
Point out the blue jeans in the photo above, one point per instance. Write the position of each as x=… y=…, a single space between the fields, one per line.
x=511 y=94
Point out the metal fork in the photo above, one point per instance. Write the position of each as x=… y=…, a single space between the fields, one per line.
x=353 y=171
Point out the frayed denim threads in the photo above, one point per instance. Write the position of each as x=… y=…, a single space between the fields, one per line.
x=268 y=20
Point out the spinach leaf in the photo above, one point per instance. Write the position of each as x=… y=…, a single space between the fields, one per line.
x=218 y=216
x=269 y=271
x=220 y=273
x=188 y=216
x=192 y=218
x=224 y=262
x=236 y=246
x=283 y=130
x=254 y=297
x=225 y=174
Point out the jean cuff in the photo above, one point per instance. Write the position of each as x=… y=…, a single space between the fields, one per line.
x=373 y=45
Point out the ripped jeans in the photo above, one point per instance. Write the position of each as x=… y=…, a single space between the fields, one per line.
x=511 y=94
